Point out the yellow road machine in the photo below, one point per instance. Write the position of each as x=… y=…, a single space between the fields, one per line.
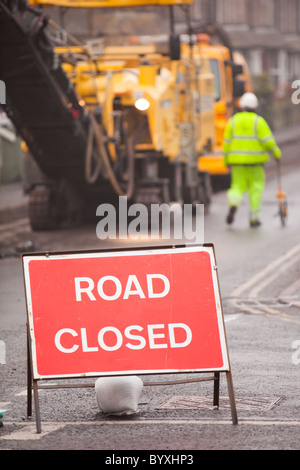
x=141 y=117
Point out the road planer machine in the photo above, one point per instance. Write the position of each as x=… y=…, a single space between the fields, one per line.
x=102 y=120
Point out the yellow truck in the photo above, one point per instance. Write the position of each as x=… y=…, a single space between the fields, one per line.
x=141 y=119
x=232 y=79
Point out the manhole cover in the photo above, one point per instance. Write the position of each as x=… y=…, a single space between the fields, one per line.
x=195 y=402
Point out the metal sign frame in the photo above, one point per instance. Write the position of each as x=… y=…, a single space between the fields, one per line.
x=34 y=377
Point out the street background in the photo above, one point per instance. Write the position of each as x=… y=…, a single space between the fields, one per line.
x=259 y=281
x=259 y=274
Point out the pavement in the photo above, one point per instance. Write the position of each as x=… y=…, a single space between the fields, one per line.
x=259 y=282
x=262 y=327
x=14 y=203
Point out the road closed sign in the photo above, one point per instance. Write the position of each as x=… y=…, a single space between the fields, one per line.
x=124 y=312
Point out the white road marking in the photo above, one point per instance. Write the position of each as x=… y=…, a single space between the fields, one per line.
x=27 y=431
x=228 y=318
x=2 y=353
x=264 y=278
x=264 y=272
x=21 y=394
x=280 y=270
x=17 y=224
x=291 y=290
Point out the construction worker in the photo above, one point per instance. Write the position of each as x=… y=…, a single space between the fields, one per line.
x=247 y=141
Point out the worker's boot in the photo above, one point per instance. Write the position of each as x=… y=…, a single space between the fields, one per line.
x=231 y=214
x=254 y=218
x=255 y=223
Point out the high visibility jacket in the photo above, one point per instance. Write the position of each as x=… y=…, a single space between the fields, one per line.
x=248 y=140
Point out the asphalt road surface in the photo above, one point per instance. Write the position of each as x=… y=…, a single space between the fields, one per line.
x=259 y=275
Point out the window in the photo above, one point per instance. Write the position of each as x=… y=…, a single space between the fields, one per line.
x=263 y=13
x=288 y=16
x=214 y=67
x=232 y=11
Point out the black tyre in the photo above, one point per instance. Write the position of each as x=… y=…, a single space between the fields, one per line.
x=44 y=213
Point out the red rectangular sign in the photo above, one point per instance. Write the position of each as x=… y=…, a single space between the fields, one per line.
x=125 y=312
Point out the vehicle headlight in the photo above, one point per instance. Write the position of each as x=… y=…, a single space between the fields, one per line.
x=142 y=104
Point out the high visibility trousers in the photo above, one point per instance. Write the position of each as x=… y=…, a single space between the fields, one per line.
x=247 y=179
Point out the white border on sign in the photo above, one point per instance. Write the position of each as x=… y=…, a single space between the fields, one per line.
x=112 y=254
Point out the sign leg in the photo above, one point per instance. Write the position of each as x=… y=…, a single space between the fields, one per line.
x=37 y=407
x=231 y=398
x=29 y=382
x=216 y=390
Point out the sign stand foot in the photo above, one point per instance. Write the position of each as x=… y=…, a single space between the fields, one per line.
x=216 y=390
x=32 y=385
x=231 y=398
x=37 y=407
x=29 y=380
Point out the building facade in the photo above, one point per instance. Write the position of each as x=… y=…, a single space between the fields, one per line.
x=267 y=32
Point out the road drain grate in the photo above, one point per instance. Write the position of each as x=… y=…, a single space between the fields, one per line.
x=195 y=402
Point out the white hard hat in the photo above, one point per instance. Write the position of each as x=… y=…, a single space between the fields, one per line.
x=249 y=100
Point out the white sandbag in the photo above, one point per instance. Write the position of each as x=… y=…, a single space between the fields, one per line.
x=118 y=395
